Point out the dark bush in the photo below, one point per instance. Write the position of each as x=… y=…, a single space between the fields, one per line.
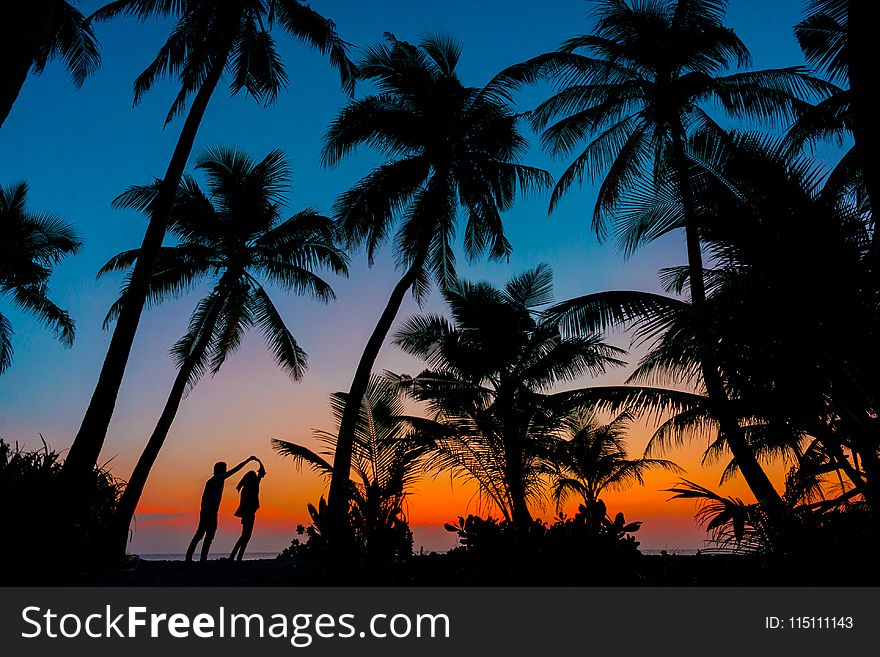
x=381 y=542
x=588 y=548
x=38 y=545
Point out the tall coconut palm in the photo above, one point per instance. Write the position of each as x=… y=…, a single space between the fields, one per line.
x=489 y=385
x=592 y=458
x=208 y=37
x=31 y=244
x=792 y=369
x=33 y=32
x=794 y=386
x=233 y=235
x=634 y=88
x=448 y=146
x=384 y=460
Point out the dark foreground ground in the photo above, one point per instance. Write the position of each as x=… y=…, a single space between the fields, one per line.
x=438 y=570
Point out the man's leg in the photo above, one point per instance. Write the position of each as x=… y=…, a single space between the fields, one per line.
x=200 y=533
x=210 y=530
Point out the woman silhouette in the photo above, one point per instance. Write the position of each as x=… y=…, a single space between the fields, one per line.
x=249 y=502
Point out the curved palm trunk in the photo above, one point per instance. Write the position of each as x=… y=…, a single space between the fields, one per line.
x=338 y=497
x=19 y=42
x=117 y=539
x=758 y=481
x=89 y=440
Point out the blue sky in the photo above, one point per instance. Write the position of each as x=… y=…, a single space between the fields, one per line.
x=78 y=149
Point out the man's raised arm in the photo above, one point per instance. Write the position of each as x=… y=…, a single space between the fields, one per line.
x=229 y=473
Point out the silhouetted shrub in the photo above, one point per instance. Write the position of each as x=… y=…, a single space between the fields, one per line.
x=36 y=540
x=380 y=540
x=588 y=548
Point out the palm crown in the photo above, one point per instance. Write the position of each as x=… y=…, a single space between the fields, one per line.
x=447 y=144
x=31 y=244
x=642 y=79
x=592 y=458
x=237 y=33
x=35 y=32
x=489 y=382
x=235 y=235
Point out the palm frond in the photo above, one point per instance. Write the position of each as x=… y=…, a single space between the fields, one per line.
x=287 y=353
x=302 y=456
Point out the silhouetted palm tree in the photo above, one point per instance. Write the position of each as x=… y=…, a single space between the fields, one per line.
x=635 y=87
x=32 y=32
x=31 y=244
x=592 y=458
x=775 y=317
x=385 y=462
x=488 y=388
x=208 y=37
x=792 y=369
x=448 y=146
x=233 y=235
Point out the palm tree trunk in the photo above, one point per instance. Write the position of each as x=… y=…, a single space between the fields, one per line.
x=514 y=439
x=23 y=26
x=117 y=539
x=519 y=514
x=861 y=54
x=338 y=497
x=89 y=440
x=758 y=481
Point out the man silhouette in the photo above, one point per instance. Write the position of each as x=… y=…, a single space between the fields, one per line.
x=211 y=507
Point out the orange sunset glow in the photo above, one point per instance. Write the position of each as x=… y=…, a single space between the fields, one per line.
x=240 y=424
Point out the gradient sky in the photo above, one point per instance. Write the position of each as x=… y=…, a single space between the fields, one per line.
x=79 y=149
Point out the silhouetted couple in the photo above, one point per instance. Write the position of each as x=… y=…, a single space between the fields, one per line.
x=249 y=502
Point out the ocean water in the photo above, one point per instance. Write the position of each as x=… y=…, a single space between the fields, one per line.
x=248 y=556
